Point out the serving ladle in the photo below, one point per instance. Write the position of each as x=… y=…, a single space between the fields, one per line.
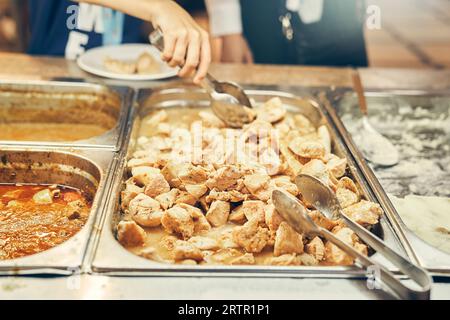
x=228 y=100
x=374 y=146
x=323 y=199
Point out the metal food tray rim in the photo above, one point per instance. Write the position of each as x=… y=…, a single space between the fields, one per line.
x=410 y=241
x=125 y=93
x=103 y=160
x=161 y=268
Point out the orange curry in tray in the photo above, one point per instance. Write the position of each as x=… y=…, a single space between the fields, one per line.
x=34 y=218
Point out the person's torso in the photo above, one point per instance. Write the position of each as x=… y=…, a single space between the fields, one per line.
x=65 y=28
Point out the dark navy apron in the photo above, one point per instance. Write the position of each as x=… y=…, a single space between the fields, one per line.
x=278 y=36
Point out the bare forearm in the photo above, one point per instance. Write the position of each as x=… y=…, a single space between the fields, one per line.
x=143 y=9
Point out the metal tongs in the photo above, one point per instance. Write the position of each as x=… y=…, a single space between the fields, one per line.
x=228 y=100
x=323 y=199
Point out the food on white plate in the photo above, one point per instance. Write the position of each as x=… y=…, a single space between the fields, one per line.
x=144 y=64
x=201 y=192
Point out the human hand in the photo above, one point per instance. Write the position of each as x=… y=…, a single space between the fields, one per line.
x=185 y=43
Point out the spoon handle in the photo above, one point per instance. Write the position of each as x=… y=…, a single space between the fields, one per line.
x=358 y=87
x=417 y=274
x=380 y=273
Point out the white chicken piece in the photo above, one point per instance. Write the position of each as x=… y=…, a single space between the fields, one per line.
x=186 y=198
x=283 y=260
x=197 y=190
x=364 y=212
x=246 y=259
x=316 y=248
x=321 y=220
x=272 y=218
x=201 y=224
x=130 y=191
x=347 y=183
x=145 y=211
x=252 y=237
x=237 y=216
x=156 y=185
x=324 y=137
x=307 y=148
x=223 y=256
x=167 y=199
x=318 y=169
x=336 y=256
x=257 y=130
x=346 y=197
x=228 y=196
x=178 y=221
x=292 y=165
x=142 y=174
x=253 y=210
x=284 y=183
x=271 y=111
x=218 y=213
x=184 y=250
x=287 y=240
x=258 y=185
x=130 y=234
x=149 y=160
x=204 y=243
x=336 y=166
x=225 y=178
x=211 y=120
x=189 y=174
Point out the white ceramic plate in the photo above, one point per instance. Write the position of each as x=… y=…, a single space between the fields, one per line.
x=92 y=61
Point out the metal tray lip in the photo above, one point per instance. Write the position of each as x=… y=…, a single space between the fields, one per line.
x=94 y=268
x=125 y=94
x=13 y=266
x=369 y=175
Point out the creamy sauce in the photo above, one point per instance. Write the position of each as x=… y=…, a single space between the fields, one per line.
x=428 y=217
x=25 y=131
x=27 y=227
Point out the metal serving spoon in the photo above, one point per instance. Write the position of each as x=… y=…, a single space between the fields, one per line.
x=228 y=100
x=374 y=146
x=324 y=200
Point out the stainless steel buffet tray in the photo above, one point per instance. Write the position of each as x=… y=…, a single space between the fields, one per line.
x=418 y=123
x=109 y=257
x=84 y=169
x=67 y=102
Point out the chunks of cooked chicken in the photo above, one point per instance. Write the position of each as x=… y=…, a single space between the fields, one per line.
x=178 y=220
x=272 y=218
x=201 y=224
x=364 y=212
x=203 y=190
x=204 y=243
x=321 y=220
x=253 y=210
x=251 y=236
x=225 y=178
x=336 y=256
x=218 y=213
x=259 y=185
x=307 y=148
x=145 y=210
x=184 y=250
x=287 y=240
x=130 y=234
x=316 y=248
x=156 y=185
x=271 y=111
